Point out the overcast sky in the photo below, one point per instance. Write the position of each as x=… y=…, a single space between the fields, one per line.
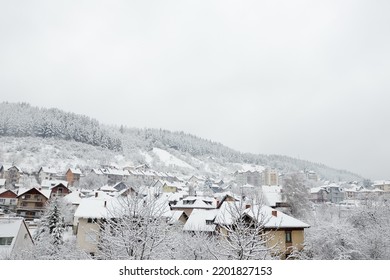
x=307 y=79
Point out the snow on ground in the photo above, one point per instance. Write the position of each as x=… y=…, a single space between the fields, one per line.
x=148 y=158
x=169 y=159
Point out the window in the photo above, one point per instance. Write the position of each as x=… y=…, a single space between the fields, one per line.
x=6 y=240
x=288 y=236
x=2 y=200
x=90 y=220
x=188 y=201
x=209 y=222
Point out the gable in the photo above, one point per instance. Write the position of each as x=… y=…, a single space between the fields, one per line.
x=8 y=194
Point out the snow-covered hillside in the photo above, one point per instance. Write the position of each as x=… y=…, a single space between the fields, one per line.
x=35 y=137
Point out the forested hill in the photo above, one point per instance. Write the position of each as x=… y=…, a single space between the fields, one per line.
x=23 y=120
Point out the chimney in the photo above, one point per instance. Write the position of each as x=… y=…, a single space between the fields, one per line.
x=105 y=203
x=247 y=206
x=274 y=213
x=96 y=194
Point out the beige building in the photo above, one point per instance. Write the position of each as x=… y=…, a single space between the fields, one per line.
x=270 y=177
x=282 y=233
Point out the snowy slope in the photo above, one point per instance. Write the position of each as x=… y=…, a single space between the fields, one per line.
x=170 y=160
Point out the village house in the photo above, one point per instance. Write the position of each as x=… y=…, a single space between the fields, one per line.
x=47 y=173
x=319 y=194
x=189 y=203
x=282 y=233
x=32 y=202
x=11 y=174
x=8 y=200
x=73 y=175
x=272 y=197
x=88 y=217
x=59 y=190
x=382 y=185
x=14 y=236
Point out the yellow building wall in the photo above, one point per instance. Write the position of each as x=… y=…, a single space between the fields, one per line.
x=168 y=189
x=87 y=235
x=278 y=241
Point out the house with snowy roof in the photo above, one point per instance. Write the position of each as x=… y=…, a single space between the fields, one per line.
x=201 y=220
x=8 y=199
x=87 y=219
x=95 y=211
x=319 y=194
x=284 y=233
x=32 y=202
x=382 y=185
x=59 y=190
x=3 y=183
x=11 y=173
x=272 y=197
x=73 y=175
x=47 y=173
x=14 y=236
x=189 y=203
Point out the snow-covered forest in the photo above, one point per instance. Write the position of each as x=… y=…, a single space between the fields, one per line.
x=23 y=120
x=120 y=144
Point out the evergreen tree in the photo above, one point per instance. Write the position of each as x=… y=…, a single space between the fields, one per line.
x=52 y=226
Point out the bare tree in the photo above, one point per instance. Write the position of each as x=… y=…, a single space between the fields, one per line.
x=242 y=231
x=297 y=195
x=136 y=228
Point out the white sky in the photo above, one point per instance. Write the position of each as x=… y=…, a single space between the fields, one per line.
x=308 y=79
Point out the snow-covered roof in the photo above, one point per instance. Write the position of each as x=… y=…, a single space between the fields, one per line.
x=272 y=195
x=114 y=171
x=74 y=197
x=173 y=184
x=97 y=171
x=136 y=172
x=201 y=220
x=173 y=216
x=381 y=182
x=108 y=188
x=48 y=170
x=52 y=183
x=3 y=190
x=196 y=202
x=160 y=174
x=8 y=166
x=9 y=227
x=2 y=182
x=44 y=192
x=317 y=190
x=92 y=208
x=75 y=171
x=229 y=211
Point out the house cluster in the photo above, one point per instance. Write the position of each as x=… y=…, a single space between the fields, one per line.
x=209 y=214
x=196 y=203
x=348 y=193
